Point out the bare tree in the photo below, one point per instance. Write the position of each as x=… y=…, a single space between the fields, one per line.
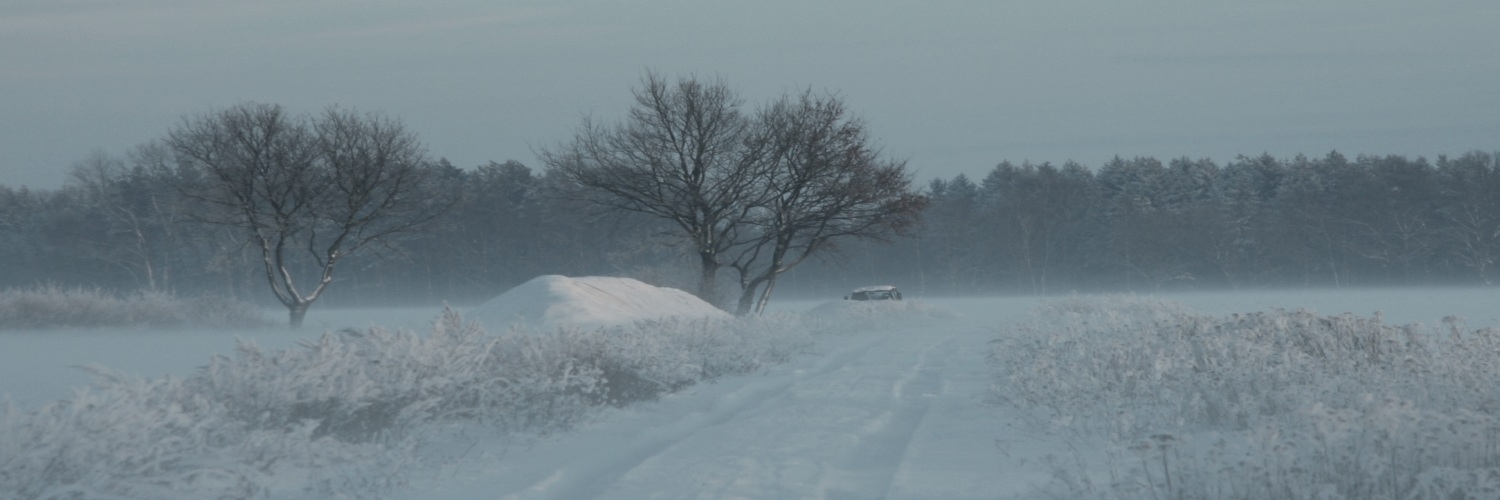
x=122 y=243
x=827 y=182
x=306 y=191
x=1471 y=211
x=684 y=154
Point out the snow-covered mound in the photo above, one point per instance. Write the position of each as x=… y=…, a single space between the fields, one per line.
x=548 y=302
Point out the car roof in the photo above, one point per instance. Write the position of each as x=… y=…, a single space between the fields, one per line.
x=877 y=288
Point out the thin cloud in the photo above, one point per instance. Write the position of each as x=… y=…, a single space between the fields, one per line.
x=1239 y=57
x=444 y=25
x=117 y=21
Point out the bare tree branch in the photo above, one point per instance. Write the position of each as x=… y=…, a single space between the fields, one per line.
x=328 y=185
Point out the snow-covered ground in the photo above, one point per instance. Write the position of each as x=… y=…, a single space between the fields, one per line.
x=897 y=410
x=41 y=366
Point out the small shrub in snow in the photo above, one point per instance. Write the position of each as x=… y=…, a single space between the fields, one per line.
x=57 y=307
x=1280 y=404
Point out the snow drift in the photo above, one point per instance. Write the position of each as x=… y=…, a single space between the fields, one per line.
x=549 y=302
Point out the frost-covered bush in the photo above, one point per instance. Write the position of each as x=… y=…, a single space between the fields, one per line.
x=1280 y=404
x=1377 y=449
x=647 y=359
x=213 y=311
x=58 y=307
x=135 y=438
x=339 y=416
x=364 y=385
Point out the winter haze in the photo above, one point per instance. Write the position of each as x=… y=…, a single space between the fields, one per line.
x=1162 y=249
x=955 y=87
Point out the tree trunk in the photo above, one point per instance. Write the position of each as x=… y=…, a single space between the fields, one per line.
x=298 y=311
x=765 y=296
x=710 y=270
x=747 y=300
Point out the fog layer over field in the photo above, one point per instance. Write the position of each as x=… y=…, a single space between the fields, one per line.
x=40 y=366
x=1072 y=396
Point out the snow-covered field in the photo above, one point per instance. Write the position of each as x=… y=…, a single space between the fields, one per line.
x=894 y=406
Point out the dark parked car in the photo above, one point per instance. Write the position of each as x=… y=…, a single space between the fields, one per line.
x=883 y=292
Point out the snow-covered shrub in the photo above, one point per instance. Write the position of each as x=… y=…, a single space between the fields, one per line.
x=1376 y=449
x=215 y=311
x=1157 y=363
x=58 y=307
x=339 y=416
x=129 y=437
x=362 y=385
x=650 y=358
x=1280 y=404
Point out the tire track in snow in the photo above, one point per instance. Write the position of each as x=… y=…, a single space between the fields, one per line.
x=871 y=466
x=593 y=476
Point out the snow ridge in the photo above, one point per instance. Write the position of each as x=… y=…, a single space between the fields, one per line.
x=546 y=303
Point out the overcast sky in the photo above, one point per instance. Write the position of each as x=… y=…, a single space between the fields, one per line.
x=953 y=87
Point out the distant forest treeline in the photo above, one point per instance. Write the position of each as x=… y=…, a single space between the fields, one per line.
x=1139 y=224
x=1142 y=224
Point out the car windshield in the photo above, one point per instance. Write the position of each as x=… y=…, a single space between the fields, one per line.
x=875 y=293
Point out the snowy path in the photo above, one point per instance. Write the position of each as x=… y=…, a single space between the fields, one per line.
x=888 y=414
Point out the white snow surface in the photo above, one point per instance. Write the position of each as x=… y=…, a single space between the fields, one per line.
x=897 y=411
x=548 y=302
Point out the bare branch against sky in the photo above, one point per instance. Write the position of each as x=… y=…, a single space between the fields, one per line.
x=955 y=87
